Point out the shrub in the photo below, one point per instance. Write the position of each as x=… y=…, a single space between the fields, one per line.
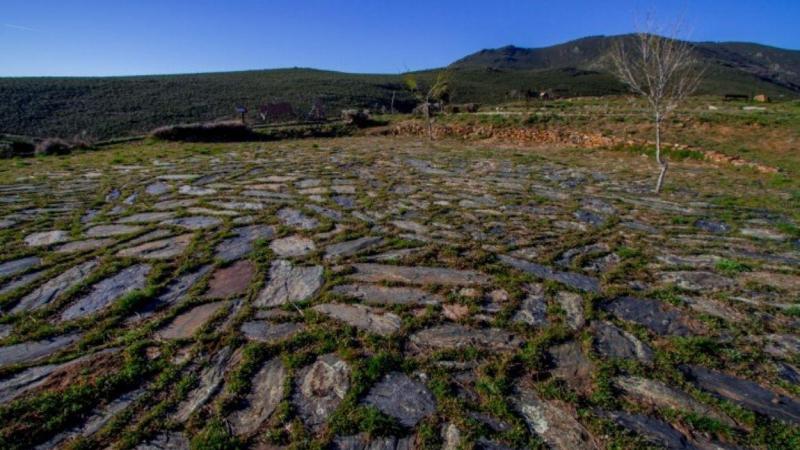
x=359 y=118
x=53 y=146
x=205 y=132
x=16 y=148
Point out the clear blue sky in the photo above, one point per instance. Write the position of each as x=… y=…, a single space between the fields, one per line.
x=116 y=37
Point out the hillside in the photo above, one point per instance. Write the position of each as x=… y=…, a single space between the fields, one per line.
x=734 y=67
x=106 y=107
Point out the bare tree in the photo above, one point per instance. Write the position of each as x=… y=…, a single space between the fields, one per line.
x=439 y=90
x=663 y=70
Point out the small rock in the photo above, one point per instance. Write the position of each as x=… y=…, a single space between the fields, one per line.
x=112 y=230
x=288 y=283
x=263 y=331
x=453 y=336
x=383 y=295
x=266 y=393
x=292 y=246
x=187 y=324
x=363 y=317
x=321 y=387
x=46 y=238
x=613 y=342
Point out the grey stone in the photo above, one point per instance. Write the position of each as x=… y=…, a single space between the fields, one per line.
x=651 y=314
x=175 y=290
x=556 y=426
x=571 y=364
x=383 y=295
x=321 y=387
x=194 y=222
x=613 y=342
x=533 y=310
x=453 y=336
x=158 y=188
x=98 y=419
x=84 y=246
x=374 y=273
x=745 y=393
x=10 y=268
x=166 y=441
x=363 y=317
x=196 y=191
x=712 y=226
x=21 y=281
x=108 y=290
x=189 y=323
x=572 y=304
x=763 y=233
x=46 y=238
x=654 y=431
x=147 y=217
x=288 y=283
x=239 y=246
x=50 y=290
x=571 y=279
x=292 y=246
x=364 y=442
x=209 y=383
x=158 y=250
x=174 y=204
x=112 y=230
x=266 y=393
x=28 y=352
x=296 y=219
x=349 y=248
x=398 y=396
x=697 y=280
x=655 y=393
x=263 y=331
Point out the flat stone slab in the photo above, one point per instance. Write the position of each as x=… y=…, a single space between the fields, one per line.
x=376 y=273
x=651 y=314
x=175 y=291
x=572 y=304
x=613 y=342
x=196 y=191
x=84 y=246
x=158 y=250
x=574 y=280
x=45 y=238
x=20 y=282
x=28 y=352
x=289 y=283
x=453 y=336
x=697 y=280
x=398 y=396
x=194 y=223
x=166 y=441
x=11 y=268
x=148 y=217
x=657 y=394
x=533 y=310
x=239 y=246
x=49 y=291
x=233 y=280
x=266 y=393
x=158 y=188
x=553 y=422
x=189 y=323
x=268 y=332
x=296 y=219
x=174 y=204
x=654 y=431
x=384 y=295
x=321 y=387
x=363 y=317
x=210 y=380
x=745 y=393
x=108 y=290
x=352 y=247
x=292 y=246
x=571 y=364
x=364 y=442
x=100 y=231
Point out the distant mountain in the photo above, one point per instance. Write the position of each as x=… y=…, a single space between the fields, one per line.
x=730 y=64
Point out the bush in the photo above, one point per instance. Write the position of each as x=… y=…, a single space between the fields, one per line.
x=359 y=118
x=16 y=148
x=205 y=132
x=53 y=146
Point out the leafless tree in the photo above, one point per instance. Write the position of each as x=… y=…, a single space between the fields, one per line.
x=439 y=90
x=662 y=69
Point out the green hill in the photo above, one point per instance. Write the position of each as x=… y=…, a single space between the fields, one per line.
x=106 y=107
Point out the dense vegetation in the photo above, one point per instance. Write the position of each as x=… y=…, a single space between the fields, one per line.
x=102 y=108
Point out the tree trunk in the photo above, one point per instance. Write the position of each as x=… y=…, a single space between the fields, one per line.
x=661 y=161
x=429 y=120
